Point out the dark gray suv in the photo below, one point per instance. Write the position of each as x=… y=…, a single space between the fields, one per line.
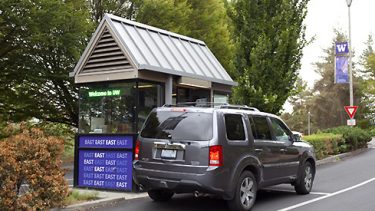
x=230 y=151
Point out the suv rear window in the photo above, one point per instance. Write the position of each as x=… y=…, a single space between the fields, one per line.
x=195 y=126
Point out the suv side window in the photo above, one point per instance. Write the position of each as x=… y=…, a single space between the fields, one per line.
x=234 y=127
x=260 y=128
x=280 y=130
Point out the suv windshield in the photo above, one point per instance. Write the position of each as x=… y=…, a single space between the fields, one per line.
x=195 y=126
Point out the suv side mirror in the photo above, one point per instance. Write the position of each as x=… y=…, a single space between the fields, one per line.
x=296 y=137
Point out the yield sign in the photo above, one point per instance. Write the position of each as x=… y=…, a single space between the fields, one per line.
x=351 y=110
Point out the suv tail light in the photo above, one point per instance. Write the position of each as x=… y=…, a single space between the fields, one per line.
x=136 y=150
x=216 y=155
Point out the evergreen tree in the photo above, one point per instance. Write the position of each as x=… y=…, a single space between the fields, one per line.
x=270 y=36
x=330 y=98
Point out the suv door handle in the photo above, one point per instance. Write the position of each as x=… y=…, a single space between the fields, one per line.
x=258 y=150
x=283 y=150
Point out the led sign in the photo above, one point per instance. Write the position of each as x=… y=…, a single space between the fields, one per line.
x=105 y=93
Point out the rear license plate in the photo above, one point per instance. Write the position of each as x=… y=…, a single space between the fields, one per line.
x=168 y=154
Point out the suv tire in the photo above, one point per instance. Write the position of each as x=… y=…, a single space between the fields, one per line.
x=245 y=193
x=160 y=195
x=305 y=180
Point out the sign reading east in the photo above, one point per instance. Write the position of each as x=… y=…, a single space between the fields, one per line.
x=118 y=142
x=105 y=169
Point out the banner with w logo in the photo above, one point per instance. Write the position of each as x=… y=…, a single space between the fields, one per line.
x=341 y=63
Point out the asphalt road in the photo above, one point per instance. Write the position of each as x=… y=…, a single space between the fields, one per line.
x=348 y=184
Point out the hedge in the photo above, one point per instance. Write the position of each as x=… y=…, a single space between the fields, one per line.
x=338 y=140
x=326 y=144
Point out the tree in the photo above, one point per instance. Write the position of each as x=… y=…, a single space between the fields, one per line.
x=301 y=102
x=122 y=8
x=368 y=85
x=41 y=42
x=204 y=20
x=330 y=98
x=209 y=22
x=270 y=36
x=171 y=15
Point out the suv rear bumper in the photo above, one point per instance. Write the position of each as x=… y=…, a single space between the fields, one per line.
x=182 y=182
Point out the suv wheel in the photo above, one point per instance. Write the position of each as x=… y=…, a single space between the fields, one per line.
x=305 y=180
x=245 y=193
x=160 y=195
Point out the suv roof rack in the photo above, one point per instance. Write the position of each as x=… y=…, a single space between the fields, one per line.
x=212 y=104
x=196 y=104
x=241 y=107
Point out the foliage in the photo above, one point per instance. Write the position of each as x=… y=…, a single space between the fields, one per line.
x=166 y=14
x=356 y=138
x=330 y=98
x=76 y=196
x=40 y=43
x=338 y=140
x=326 y=144
x=268 y=57
x=326 y=100
x=368 y=85
x=204 y=20
x=301 y=102
x=122 y=8
x=31 y=177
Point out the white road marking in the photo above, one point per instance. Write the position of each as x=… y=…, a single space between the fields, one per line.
x=292 y=191
x=327 y=196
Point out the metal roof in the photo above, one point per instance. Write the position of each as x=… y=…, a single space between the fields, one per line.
x=159 y=50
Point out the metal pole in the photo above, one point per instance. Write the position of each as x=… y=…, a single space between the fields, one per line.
x=350 y=59
x=308 y=123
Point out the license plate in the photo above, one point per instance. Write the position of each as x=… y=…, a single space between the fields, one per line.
x=168 y=154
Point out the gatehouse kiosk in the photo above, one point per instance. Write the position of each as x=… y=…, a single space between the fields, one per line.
x=127 y=69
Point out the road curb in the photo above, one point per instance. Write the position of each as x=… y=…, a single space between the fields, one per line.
x=335 y=158
x=89 y=205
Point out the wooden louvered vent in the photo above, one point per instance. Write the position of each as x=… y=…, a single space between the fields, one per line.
x=106 y=56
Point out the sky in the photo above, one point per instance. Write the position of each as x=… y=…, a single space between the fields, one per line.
x=322 y=18
x=325 y=15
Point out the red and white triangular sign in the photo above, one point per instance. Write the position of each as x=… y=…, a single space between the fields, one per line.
x=351 y=110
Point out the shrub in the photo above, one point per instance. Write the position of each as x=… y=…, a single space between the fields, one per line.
x=326 y=144
x=30 y=170
x=356 y=138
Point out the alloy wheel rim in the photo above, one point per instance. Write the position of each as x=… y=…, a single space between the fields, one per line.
x=308 y=178
x=247 y=192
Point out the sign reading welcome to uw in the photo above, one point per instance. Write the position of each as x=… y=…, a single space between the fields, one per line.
x=104 y=162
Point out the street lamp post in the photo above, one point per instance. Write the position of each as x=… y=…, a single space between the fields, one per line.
x=349 y=2
x=309 y=123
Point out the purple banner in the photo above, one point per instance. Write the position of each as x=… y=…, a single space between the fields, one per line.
x=341 y=70
x=100 y=141
x=105 y=169
x=342 y=48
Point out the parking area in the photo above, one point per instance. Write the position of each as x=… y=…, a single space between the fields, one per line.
x=347 y=184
